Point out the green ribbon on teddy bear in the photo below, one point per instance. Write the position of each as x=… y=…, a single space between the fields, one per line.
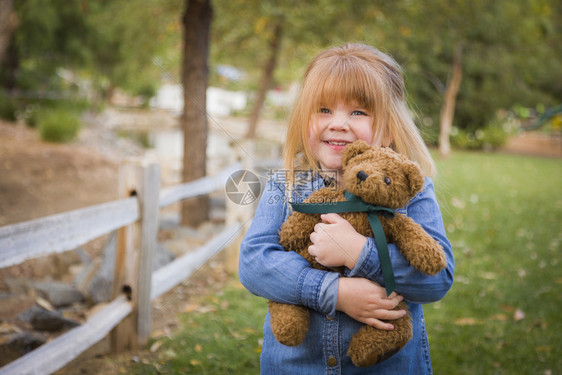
x=354 y=204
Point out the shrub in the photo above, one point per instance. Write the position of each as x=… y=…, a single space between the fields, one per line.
x=57 y=124
x=8 y=108
x=489 y=138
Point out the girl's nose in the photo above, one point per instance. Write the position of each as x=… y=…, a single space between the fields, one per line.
x=339 y=123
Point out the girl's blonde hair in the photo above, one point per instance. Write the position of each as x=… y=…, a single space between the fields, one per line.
x=360 y=74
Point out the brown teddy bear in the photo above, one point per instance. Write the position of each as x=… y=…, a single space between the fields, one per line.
x=380 y=177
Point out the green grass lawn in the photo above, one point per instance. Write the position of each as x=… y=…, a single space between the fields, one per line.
x=503 y=215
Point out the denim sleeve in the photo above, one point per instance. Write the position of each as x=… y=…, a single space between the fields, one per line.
x=415 y=286
x=267 y=270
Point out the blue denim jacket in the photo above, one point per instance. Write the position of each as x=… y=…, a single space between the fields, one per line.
x=268 y=271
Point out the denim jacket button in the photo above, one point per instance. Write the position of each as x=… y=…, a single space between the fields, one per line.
x=329 y=317
x=332 y=361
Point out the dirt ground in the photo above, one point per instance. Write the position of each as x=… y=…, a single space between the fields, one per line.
x=39 y=179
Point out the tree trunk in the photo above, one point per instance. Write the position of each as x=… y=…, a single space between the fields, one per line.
x=8 y=23
x=195 y=72
x=448 y=109
x=269 y=68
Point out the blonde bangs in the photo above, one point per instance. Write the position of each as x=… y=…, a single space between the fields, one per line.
x=348 y=79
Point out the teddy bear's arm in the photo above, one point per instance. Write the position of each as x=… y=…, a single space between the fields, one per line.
x=295 y=233
x=420 y=249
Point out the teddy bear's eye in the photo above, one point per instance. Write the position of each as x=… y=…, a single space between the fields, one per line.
x=387 y=180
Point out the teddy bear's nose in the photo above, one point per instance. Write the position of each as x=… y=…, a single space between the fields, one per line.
x=362 y=176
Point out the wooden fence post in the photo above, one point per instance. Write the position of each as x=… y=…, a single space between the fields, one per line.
x=237 y=213
x=136 y=245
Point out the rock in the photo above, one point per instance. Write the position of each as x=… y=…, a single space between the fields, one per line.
x=13 y=305
x=42 y=319
x=99 y=287
x=18 y=285
x=99 y=283
x=162 y=257
x=17 y=344
x=58 y=294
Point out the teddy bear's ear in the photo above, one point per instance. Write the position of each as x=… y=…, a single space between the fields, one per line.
x=415 y=177
x=354 y=149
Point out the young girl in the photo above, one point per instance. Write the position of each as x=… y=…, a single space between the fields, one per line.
x=349 y=93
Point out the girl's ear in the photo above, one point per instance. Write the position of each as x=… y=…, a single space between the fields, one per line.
x=354 y=149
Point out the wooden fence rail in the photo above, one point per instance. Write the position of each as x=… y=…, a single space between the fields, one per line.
x=63 y=232
x=135 y=216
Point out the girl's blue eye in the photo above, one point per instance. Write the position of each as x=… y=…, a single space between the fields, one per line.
x=324 y=110
x=358 y=113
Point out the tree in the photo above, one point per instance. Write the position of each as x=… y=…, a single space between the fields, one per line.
x=8 y=22
x=196 y=28
x=268 y=70
x=448 y=108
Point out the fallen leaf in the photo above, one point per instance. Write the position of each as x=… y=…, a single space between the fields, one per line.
x=157 y=333
x=467 y=322
x=206 y=309
x=154 y=347
x=507 y=308
x=518 y=315
x=6 y=327
x=195 y=362
x=499 y=317
x=44 y=304
x=458 y=203
x=170 y=354
x=190 y=308
x=488 y=275
x=544 y=348
x=198 y=348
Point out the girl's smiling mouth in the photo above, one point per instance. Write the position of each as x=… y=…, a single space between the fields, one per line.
x=336 y=145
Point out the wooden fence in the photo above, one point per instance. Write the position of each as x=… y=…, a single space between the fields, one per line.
x=135 y=216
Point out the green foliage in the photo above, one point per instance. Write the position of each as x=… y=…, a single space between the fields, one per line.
x=128 y=37
x=48 y=36
x=506 y=46
x=57 y=124
x=491 y=137
x=111 y=44
x=30 y=110
x=8 y=108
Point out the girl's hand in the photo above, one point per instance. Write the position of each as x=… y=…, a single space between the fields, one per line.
x=366 y=302
x=335 y=242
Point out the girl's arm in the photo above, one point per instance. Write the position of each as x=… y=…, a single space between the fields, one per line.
x=413 y=285
x=267 y=270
